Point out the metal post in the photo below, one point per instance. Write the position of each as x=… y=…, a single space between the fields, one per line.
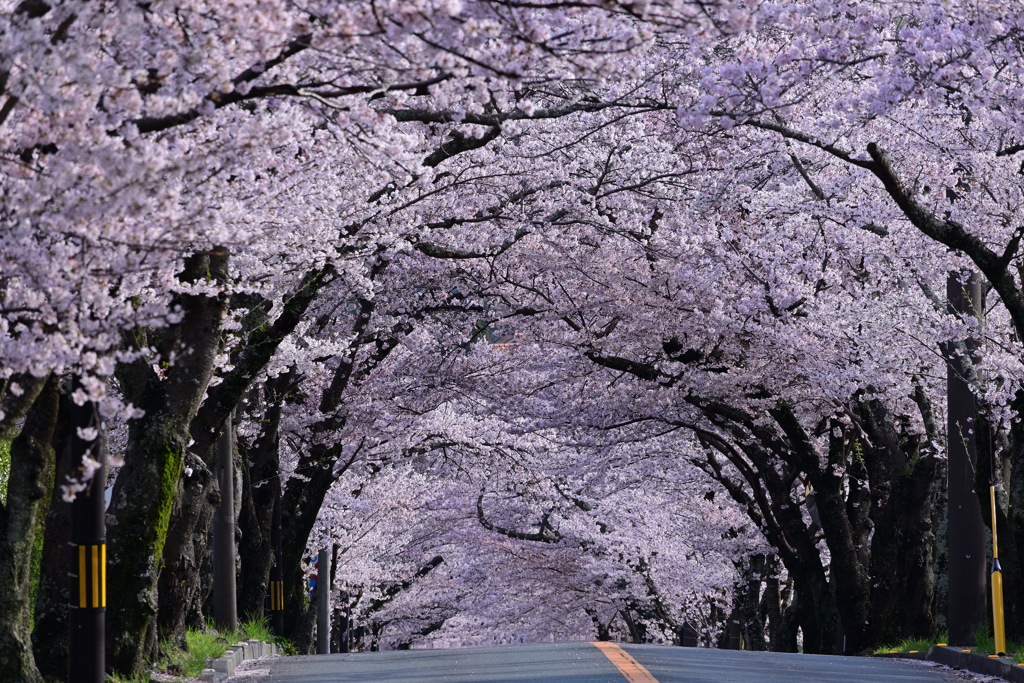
x=276 y=572
x=323 y=603
x=225 y=609
x=966 y=532
x=997 y=584
x=88 y=576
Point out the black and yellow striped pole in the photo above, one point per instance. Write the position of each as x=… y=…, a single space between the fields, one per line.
x=88 y=574
x=999 y=627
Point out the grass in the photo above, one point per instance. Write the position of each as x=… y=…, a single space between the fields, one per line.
x=986 y=643
x=210 y=643
x=910 y=644
x=141 y=678
x=257 y=628
x=202 y=645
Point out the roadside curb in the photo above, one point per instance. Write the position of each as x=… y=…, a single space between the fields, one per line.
x=959 y=658
x=224 y=667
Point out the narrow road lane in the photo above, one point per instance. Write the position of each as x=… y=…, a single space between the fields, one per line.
x=585 y=663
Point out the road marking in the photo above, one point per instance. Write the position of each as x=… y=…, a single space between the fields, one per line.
x=627 y=666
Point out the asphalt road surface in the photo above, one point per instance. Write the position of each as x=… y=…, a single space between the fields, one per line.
x=585 y=663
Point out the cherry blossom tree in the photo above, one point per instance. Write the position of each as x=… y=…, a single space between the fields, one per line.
x=709 y=237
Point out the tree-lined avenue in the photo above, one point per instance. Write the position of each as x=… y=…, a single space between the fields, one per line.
x=542 y=320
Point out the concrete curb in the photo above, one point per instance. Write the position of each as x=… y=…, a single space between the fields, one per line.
x=224 y=667
x=960 y=658
x=977 y=663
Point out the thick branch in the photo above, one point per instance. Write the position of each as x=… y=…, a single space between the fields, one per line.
x=539 y=537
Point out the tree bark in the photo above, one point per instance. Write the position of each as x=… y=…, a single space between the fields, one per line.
x=30 y=452
x=197 y=503
x=150 y=481
x=50 y=635
x=1014 y=453
x=261 y=487
x=191 y=540
x=751 y=623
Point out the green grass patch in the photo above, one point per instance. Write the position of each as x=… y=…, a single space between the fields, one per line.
x=910 y=644
x=141 y=678
x=211 y=643
x=201 y=646
x=985 y=643
x=257 y=628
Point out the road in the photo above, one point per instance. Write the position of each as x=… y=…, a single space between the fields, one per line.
x=585 y=663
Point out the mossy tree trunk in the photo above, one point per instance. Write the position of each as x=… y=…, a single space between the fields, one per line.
x=30 y=452
x=150 y=482
x=188 y=538
x=195 y=506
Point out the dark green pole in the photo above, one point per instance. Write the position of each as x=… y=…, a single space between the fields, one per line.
x=88 y=548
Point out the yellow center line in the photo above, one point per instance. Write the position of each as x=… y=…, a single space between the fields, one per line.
x=627 y=666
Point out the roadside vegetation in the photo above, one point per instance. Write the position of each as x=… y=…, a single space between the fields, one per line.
x=984 y=643
x=911 y=645
x=203 y=645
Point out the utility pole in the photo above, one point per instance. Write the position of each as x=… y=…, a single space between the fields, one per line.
x=225 y=606
x=323 y=603
x=88 y=575
x=276 y=572
x=966 y=531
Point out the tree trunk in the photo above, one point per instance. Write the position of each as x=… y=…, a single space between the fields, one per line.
x=201 y=609
x=261 y=487
x=748 y=609
x=196 y=506
x=771 y=605
x=30 y=452
x=50 y=635
x=915 y=615
x=300 y=506
x=150 y=482
x=192 y=538
x=784 y=639
x=1014 y=533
